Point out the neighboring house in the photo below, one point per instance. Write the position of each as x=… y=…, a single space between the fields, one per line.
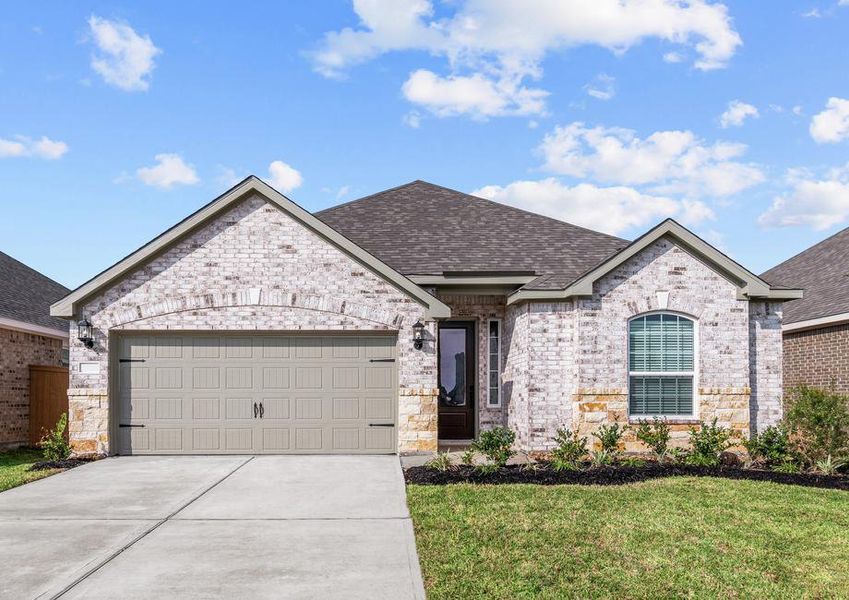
x=255 y=326
x=28 y=336
x=816 y=328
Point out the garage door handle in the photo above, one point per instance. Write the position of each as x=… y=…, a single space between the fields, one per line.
x=261 y=410
x=256 y=409
x=381 y=360
x=381 y=424
x=129 y=425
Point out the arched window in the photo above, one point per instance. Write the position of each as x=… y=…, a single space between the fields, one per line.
x=661 y=349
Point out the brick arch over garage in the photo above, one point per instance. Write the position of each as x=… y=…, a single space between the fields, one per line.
x=176 y=312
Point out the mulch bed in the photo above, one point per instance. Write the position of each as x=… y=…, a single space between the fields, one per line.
x=68 y=463
x=614 y=475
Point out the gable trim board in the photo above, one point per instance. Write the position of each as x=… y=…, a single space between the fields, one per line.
x=749 y=285
x=829 y=321
x=66 y=307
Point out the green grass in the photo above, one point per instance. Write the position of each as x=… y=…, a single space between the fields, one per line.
x=677 y=537
x=14 y=465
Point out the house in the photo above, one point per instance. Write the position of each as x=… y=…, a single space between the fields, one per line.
x=28 y=336
x=816 y=327
x=410 y=316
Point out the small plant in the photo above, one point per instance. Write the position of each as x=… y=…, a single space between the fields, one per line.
x=486 y=468
x=468 y=457
x=829 y=465
x=771 y=447
x=787 y=467
x=53 y=445
x=440 y=462
x=708 y=442
x=818 y=424
x=677 y=455
x=601 y=458
x=633 y=462
x=570 y=450
x=496 y=444
x=655 y=435
x=610 y=436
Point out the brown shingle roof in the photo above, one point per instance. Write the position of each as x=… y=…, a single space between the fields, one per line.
x=26 y=294
x=823 y=272
x=425 y=229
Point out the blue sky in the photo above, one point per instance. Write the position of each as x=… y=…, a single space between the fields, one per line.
x=119 y=119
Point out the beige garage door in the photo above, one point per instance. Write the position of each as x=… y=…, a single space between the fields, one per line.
x=237 y=394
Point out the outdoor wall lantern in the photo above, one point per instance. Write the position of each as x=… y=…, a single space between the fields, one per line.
x=84 y=333
x=418 y=335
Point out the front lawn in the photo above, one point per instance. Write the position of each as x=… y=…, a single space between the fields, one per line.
x=14 y=465
x=676 y=537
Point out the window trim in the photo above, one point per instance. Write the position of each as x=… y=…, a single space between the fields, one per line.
x=696 y=414
x=489 y=363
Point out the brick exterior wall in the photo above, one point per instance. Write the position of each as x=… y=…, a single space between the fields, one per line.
x=19 y=350
x=253 y=268
x=818 y=357
x=575 y=361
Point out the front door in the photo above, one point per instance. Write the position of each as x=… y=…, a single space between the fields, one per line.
x=457 y=380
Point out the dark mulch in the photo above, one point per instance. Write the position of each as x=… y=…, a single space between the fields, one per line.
x=615 y=475
x=68 y=463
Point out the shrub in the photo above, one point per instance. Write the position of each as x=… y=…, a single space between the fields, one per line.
x=610 y=436
x=829 y=466
x=570 y=449
x=708 y=442
x=818 y=424
x=468 y=457
x=771 y=448
x=440 y=462
x=53 y=445
x=601 y=458
x=496 y=444
x=655 y=435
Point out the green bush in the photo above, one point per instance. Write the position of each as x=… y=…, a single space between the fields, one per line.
x=440 y=462
x=655 y=435
x=496 y=444
x=818 y=423
x=771 y=448
x=610 y=436
x=53 y=445
x=468 y=457
x=708 y=442
x=570 y=450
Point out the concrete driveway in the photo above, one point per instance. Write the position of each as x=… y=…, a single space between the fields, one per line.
x=212 y=527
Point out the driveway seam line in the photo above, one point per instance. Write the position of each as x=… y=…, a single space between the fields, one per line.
x=143 y=535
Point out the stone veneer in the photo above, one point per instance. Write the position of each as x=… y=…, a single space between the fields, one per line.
x=19 y=350
x=253 y=268
x=568 y=362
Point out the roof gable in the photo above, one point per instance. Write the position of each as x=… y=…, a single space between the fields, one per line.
x=67 y=306
x=749 y=285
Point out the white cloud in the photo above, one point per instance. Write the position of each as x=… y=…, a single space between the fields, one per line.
x=832 y=124
x=672 y=162
x=818 y=203
x=608 y=209
x=226 y=177
x=125 y=59
x=814 y=13
x=736 y=113
x=603 y=87
x=22 y=146
x=475 y=95
x=673 y=57
x=797 y=110
x=169 y=171
x=283 y=177
x=493 y=47
x=412 y=119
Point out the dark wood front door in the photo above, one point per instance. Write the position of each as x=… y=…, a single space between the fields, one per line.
x=457 y=380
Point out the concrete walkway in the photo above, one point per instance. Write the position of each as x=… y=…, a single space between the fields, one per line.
x=212 y=527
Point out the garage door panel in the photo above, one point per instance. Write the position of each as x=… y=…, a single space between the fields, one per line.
x=195 y=393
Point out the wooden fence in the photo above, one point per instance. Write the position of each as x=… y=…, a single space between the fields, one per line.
x=48 y=399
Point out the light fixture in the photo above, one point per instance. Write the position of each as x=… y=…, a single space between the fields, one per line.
x=84 y=333
x=418 y=335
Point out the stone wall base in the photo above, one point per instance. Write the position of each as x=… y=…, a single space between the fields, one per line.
x=417 y=420
x=88 y=421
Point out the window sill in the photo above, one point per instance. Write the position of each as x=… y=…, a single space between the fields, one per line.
x=668 y=420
